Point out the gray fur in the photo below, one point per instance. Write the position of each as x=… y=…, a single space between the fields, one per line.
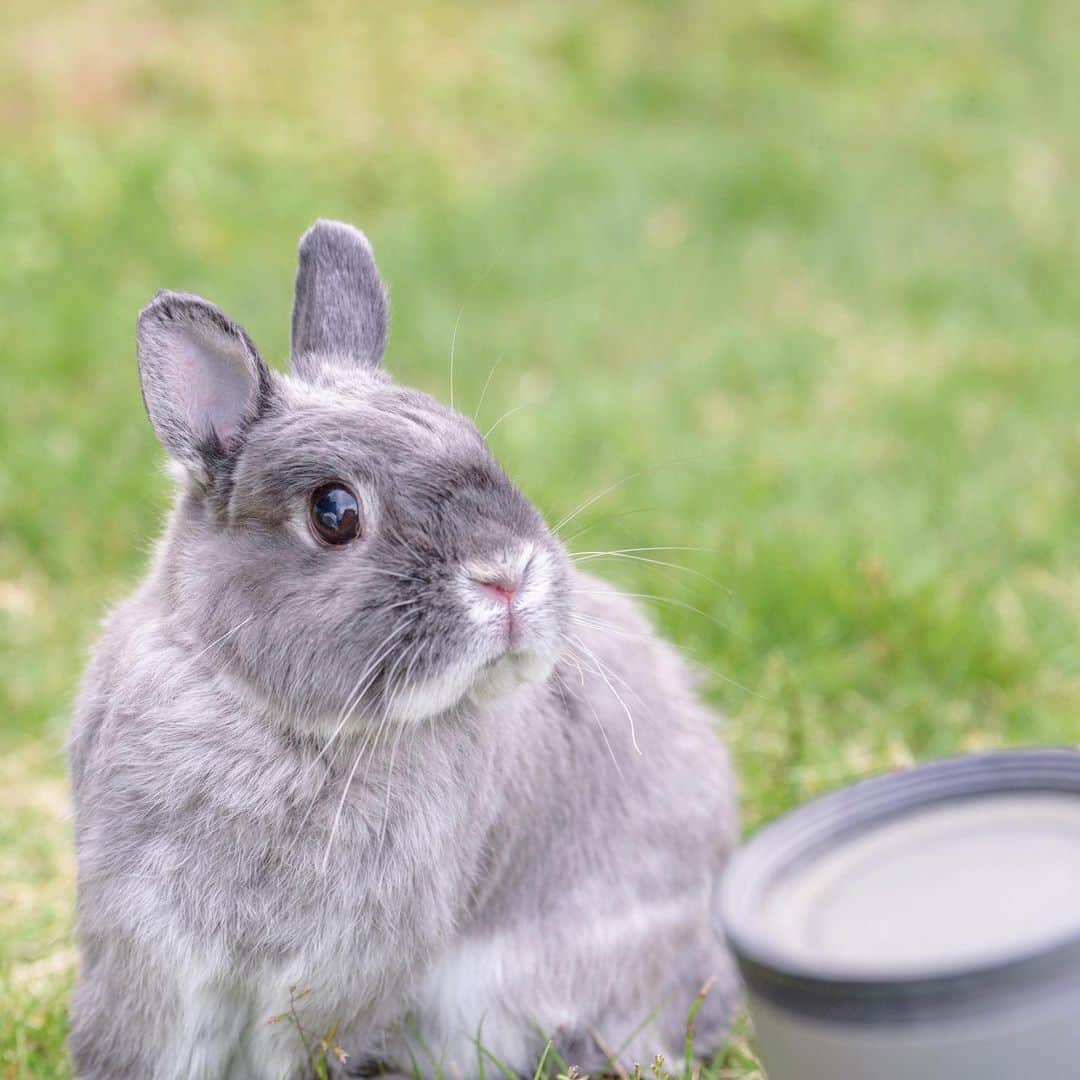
x=326 y=768
x=340 y=308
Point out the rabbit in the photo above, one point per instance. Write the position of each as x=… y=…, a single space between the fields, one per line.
x=365 y=755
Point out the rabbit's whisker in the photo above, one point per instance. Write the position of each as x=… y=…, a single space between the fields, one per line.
x=596 y=716
x=361 y=686
x=609 y=628
x=386 y=719
x=606 y=518
x=573 y=658
x=369 y=675
x=583 y=506
x=383 y=725
x=356 y=764
x=506 y=416
x=618 y=484
x=650 y=561
x=487 y=383
x=364 y=742
x=611 y=686
x=364 y=683
x=596 y=624
x=389 y=783
x=202 y=652
x=344 y=795
x=403 y=682
x=341 y=807
x=624 y=551
x=606 y=627
x=670 y=600
x=395 y=531
x=408 y=601
x=369 y=672
x=393 y=573
x=410 y=548
x=618 y=678
x=453 y=349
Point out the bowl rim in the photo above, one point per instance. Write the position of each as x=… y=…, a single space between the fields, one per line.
x=840 y=992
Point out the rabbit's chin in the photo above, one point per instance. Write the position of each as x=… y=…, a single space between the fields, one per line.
x=456 y=687
x=508 y=673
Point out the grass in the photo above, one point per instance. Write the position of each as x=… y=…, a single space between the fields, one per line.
x=808 y=271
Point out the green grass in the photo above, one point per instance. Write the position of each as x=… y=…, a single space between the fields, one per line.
x=809 y=271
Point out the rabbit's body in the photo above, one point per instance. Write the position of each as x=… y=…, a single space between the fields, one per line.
x=486 y=809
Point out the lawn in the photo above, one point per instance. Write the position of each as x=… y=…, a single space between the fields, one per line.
x=807 y=273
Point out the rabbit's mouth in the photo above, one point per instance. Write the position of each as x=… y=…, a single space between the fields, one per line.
x=510 y=606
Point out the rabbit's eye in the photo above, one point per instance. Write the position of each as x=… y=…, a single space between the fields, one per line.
x=335 y=514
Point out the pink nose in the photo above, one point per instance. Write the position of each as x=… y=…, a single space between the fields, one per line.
x=504 y=591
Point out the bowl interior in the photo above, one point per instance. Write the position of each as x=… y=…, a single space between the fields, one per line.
x=950 y=868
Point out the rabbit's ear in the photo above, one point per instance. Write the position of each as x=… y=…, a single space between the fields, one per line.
x=203 y=381
x=340 y=312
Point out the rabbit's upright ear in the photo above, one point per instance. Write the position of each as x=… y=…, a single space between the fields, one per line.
x=203 y=380
x=340 y=313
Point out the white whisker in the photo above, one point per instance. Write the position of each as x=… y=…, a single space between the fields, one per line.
x=624 y=551
x=369 y=674
x=606 y=518
x=564 y=521
x=599 y=722
x=355 y=695
x=612 y=487
x=202 y=652
x=453 y=348
x=652 y=562
x=389 y=698
x=483 y=393
x=572 y=657
x=595 y=624
x=611 y=686
x=664 y=600
x=352 y=774
x=393 y=573
x=389 y=782
x=340 y=808
x=409 y=601
x=505 y=416
x=403 y=682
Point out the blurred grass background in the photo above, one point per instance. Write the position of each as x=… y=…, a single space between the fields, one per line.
x=810 y=271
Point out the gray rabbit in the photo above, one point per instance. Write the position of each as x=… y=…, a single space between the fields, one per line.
x=364 y=748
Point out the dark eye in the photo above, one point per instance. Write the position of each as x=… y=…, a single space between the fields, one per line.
x=335 y=514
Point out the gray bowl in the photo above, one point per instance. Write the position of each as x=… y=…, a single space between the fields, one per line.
x=919 y=925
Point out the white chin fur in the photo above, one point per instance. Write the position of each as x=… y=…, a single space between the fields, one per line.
x=508 y=673
x=492 y=681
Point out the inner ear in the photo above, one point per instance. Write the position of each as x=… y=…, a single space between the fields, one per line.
x=340 y=311
x=203 y=380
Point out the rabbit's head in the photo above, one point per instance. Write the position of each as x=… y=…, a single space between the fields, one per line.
x=347 y=548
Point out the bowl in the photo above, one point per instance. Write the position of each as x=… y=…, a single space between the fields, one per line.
x=918 y=925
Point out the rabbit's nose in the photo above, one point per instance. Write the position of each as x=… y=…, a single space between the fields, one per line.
x=501 y=586
x=501 y=577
